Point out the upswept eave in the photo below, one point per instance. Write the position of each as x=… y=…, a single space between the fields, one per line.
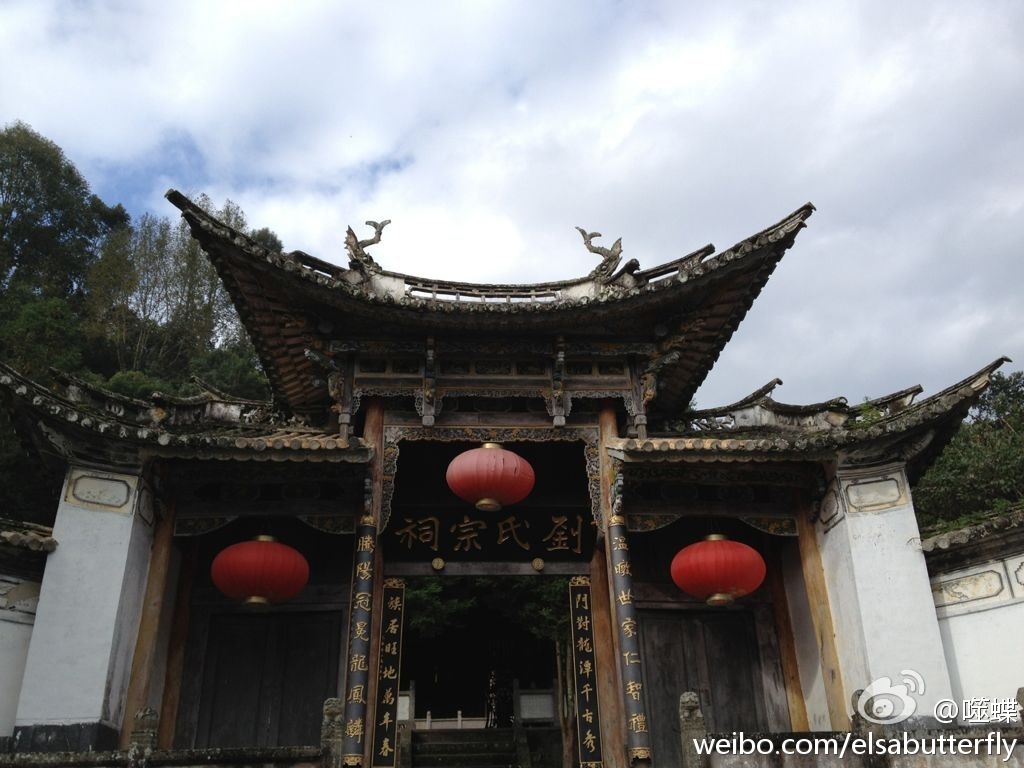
x=291 y=302
x=90 y=425
x=476 y=298
x=757 y=428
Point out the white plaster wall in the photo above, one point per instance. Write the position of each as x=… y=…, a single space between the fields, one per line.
x=900 y=628
x=18 y=599
x=89 y=604
x=879 y=591
x=129 y=611
x=808 y=655
x=984 y=652
x=981 y=616
x=844 y=603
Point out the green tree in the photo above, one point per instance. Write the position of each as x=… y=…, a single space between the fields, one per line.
x=127 y=289
x=137 y=384
x=158 y=304
x=133 y=308
x=234 y=368
x=981 y=472
x=51 y=225
x=39 y=332
x=268 y=239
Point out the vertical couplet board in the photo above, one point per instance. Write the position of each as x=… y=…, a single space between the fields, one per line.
x=385 y=725
x=359 y=643
x=588 y=715
x=638 y=734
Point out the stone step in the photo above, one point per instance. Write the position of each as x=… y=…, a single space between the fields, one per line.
x=455 y=748
x=448 y=734
x=490 y=748
x=465 y=760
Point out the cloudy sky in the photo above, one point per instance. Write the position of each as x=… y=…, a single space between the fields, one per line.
x=486 y=131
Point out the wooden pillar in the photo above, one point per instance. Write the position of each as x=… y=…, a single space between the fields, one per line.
x=787 y=645
x=634 y=727
x=627 y=632
x=821 y=616
x=363 y=637
x=356 y=734
x=606 y=662
x=606 y=639
x=176 y=650
x=141 y=676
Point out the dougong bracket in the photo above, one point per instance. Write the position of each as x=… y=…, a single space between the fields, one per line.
x=558 y=404
x=339 y=387
x=428 y=404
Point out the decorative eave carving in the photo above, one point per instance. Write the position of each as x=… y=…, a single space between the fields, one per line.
x=757 y=428
x=93 y=426
x=358 y=258
x=610 y=257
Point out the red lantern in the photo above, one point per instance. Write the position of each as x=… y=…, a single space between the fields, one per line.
x=490 y=477
x=260 y=571
x=718 y=570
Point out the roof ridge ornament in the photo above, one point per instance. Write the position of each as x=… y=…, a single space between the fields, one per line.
x=359 y=259
x=610 y=257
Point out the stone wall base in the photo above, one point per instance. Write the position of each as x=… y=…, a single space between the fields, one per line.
x=74 y=737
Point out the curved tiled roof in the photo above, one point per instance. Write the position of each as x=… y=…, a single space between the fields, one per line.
x=757 y=428
x=290 y=302
x=28 y=536
x=93 y=425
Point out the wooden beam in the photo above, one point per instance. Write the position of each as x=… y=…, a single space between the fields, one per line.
x=144 y=657
x=821 y=616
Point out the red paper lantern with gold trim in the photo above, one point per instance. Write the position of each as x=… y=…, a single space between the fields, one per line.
x=490 y=477
x=718 y=570
x=260 y=571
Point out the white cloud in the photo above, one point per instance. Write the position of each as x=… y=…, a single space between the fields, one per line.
x=486 y=131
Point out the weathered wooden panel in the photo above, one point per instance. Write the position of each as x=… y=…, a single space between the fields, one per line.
x=665 y=651
x=310 y=675
x=737 y=701
x=264 y=679
x=230 y=709
x=718 y=655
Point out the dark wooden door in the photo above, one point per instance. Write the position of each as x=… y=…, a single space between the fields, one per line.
x=264 y=678
x=716 y=654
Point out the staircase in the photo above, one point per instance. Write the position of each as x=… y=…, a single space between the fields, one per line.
x=488 y=748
